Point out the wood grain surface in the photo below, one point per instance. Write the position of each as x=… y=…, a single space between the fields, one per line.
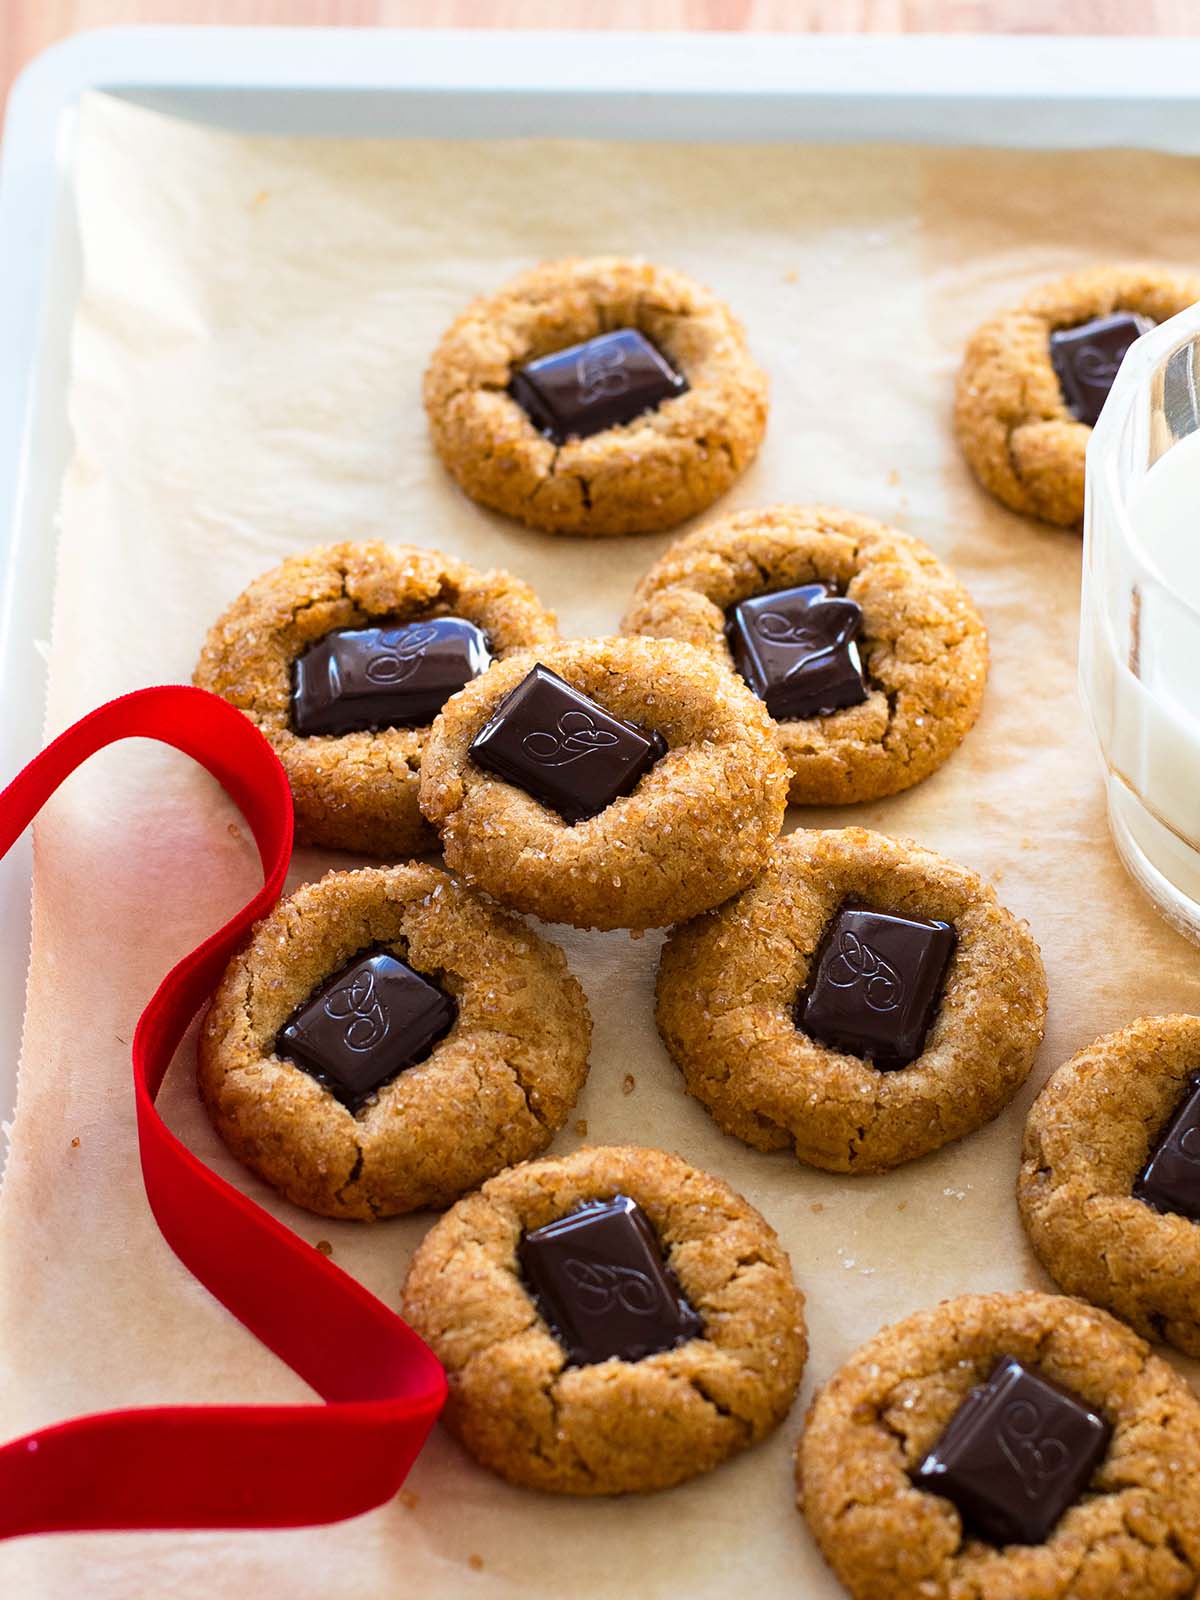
x=28 y=26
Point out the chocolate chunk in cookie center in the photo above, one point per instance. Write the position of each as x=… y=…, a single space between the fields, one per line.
x=1170 y=1180
x=364 y=1025
x=875 y=984
x=600 y=1282
x=797 y=650
x=562 y=748
x=599 y=384
x=384 y=677
x=1086 y=359
x=1015 y=1455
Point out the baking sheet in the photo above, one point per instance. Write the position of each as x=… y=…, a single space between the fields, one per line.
x=247 y=358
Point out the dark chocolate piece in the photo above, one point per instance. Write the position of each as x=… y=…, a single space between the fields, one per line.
x=601 y=1283
x=1015 y=1455
x=564 y=749
x=875 y=984
x=1170 y=1180
x=596 y=385
x=367 y=1023
x=1086 y=359
x=390 y=677
x=796 y=649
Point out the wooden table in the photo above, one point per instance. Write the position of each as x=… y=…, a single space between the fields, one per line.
x=28 y=26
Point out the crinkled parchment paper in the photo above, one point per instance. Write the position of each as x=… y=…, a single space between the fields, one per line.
x=246 y=382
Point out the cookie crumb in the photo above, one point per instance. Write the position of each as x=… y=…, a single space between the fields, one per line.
x=581 y=1127
x=817 y=1207
x=261 y=197
x=902 y=1205
x=234 y=831
x=791 y=277
x=75 y=1144
x=407 y=1499
x=628 y=1083
x=475 y=1563
x=324 y=1246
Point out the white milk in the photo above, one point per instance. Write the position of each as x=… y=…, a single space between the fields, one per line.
x=1141 y=668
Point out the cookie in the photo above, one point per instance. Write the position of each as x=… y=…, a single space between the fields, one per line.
x=387 y=1040
x=1090 y=1433
x=1034 y=378
x=358 y=637
x=867 y=651
x=610 y=783
x=596 y=397
x=611 y=1321
x=1110 y=1177
x=864 y=1001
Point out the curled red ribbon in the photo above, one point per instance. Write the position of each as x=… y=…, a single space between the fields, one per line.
x=224 y=1466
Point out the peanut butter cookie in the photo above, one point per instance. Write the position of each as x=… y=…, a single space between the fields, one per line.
x=387 y=1040
x=342 y=658
x=864 y=1001
x=1110 y=1177
x=1034 y=378
x=867 y=651
x=596 y=397
x=611 y=783
x=612 y=1321
x=1001 y=1447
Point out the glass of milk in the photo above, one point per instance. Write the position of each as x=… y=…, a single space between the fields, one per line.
x=1140 y=622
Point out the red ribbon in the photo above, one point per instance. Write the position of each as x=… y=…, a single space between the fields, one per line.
x=224 y=1466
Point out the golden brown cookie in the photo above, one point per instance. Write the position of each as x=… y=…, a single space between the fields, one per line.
x=637 y=476
x=922 y=644
x=1090 y=1134
x=676 y=1271
x=696 y=828
x=776 y=1007
x=1134 y=1529
x=355 y=791
x=491 y=1090
x=1014 y=420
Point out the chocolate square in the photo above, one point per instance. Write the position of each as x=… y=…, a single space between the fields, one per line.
x=796 y=649
x=1015 y=1455
x=366 y=1024
x=1170 y=1180
x=387 y=677
x=875 y=984
x=595 y=385
x=1086 y=359
x=601 y=1283
x=562 y=748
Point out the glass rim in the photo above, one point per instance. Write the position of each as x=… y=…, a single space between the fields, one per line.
x=1145 y=357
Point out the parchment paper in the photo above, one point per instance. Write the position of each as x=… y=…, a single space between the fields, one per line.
x=247 y=361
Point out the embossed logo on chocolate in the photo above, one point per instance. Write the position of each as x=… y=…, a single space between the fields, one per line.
x=357 y=1003
x=1189 y=1143
x=577 y=736
x=399 y=661
x=1037 y=1458
x=858 y=964
x=602 y=1287
x=1096 y=366
x=810 y=635
x=601 y=373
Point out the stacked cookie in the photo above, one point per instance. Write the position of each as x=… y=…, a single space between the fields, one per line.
x=394 y=1038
